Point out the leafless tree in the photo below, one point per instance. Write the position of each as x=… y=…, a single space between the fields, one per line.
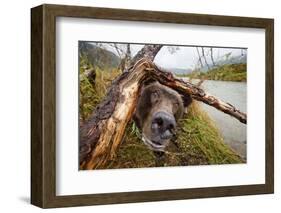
x=118 y=50
x=124 y=53
x=212 y=56
x=199 y=57
x=242 y=52
x=128 y=57
x=205 y=59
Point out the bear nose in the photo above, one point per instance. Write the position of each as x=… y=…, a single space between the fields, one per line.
x=163 y=121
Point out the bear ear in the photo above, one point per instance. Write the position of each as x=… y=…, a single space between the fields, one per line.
x=146 y=83
x=149 y=81
x=187 y=100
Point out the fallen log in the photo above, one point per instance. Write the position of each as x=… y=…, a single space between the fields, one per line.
x=102 y=134
x=184 y=87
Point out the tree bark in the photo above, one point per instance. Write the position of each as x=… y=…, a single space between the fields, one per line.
x=128 y=57
x=148 y=51
x=102 y=134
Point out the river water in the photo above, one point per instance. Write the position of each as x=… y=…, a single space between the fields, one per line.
x=233 y=131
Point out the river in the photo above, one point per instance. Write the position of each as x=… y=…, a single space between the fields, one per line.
x=233 y=131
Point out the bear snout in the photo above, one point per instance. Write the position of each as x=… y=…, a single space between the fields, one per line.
x=163 y=124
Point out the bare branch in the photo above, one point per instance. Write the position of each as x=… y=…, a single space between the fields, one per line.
x=199 y=57
x=203 y=55
x=118 y=50
x=212 y=56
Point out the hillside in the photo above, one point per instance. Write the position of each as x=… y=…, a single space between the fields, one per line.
x=97 y=56
x=226 y=60
x=179 y=71
x=228 y=72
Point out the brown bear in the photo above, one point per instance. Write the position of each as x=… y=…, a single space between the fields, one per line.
x=157 y=112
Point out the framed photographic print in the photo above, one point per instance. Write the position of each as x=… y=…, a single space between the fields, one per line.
x=136 y=106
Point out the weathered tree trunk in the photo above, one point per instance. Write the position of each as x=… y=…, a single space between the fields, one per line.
x=102 y=134
x=148 y=51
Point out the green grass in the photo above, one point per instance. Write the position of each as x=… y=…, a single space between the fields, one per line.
x=198 y=140
x=198 y=135
x=229 y=72
x=91 y=95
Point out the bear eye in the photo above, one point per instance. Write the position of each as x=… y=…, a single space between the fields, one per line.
x=176 y=104
x=175 y=107
x=154 y=97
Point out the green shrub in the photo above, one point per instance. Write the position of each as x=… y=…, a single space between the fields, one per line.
x=229 y=72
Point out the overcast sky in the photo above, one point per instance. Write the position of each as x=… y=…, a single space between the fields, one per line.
x=184 y=57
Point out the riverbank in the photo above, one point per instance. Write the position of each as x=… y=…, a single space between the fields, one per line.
x=228 y=72
x=234 y=132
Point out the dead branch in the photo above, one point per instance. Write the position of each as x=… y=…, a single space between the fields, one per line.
x=102 y=134
x=199 y=57
x=212 y=57
x=196 y=92
x=203 y=55
x=149 y=52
